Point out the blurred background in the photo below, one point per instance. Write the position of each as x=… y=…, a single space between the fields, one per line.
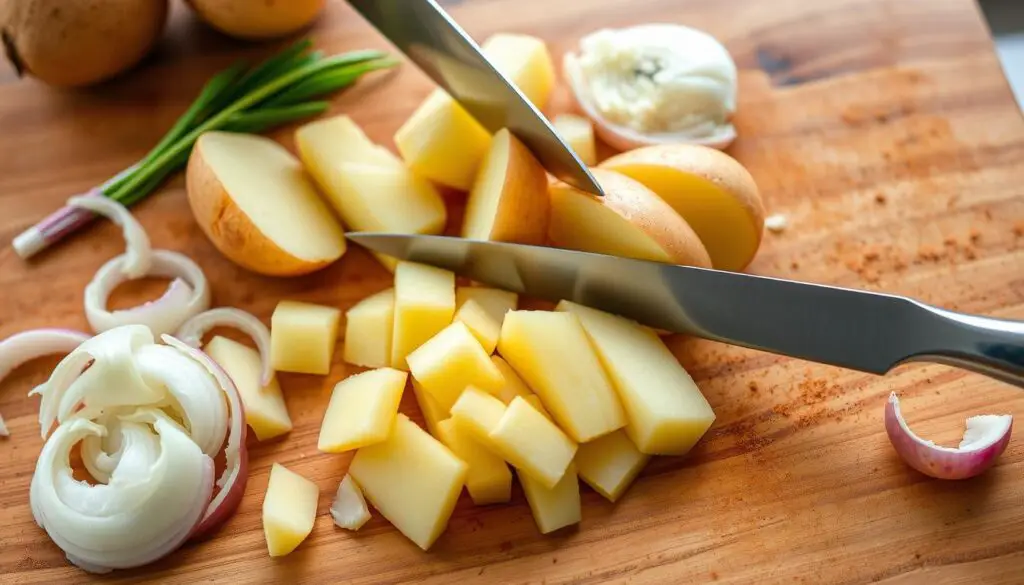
x=1006 y=19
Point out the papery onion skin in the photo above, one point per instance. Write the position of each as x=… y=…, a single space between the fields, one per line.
x=946 y=462
x=192 y=331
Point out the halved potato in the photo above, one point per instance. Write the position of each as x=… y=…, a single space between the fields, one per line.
x=629 y=221
x=253 y=200
x=509 y=200
x=713 y=192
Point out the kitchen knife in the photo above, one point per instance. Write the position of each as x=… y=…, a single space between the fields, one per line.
x=430 y=38
x=866 y=331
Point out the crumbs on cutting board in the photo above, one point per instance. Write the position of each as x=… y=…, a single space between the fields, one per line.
x=776 y=222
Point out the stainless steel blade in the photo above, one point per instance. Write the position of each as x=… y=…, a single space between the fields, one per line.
x=434 y=41
x=861 y=330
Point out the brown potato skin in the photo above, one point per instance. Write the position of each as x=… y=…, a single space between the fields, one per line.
x=231 y=230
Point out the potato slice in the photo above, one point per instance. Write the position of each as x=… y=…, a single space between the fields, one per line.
x=478 y=413
x=442 y=142
x=629 y=221
x=509 y=199
x=265 y=410
x=289 y=510
x=369 y=325
x=431 y=410
x=609 y=464
x=488 y=479
x=449 y=362
x=555 y=507
x=666 y=411
x=526 y=62
x=550 y=351
x=424 y=305
x=532 y=443
x=349 y=507
x=252 y=199
x=302 y=337
x=362 y=410
x=412 y=479
x=324 y=143
x=578 y=133
x=713 y=192
x=513 y=386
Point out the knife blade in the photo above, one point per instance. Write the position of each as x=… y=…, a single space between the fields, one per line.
x=861 y=330
x=434 y=41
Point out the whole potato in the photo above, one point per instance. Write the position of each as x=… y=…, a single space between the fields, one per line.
x=80 y=42
x=252 y=20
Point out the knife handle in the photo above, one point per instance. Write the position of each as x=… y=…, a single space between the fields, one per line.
x=993 y=347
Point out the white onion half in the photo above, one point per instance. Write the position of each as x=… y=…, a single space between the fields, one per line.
x=138 y=253
x=985 y=438
x=149 y=507
x=193 y=330
x=187 y=296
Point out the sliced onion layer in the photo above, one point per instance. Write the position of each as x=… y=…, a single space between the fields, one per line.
x=984 y=440
x=193 y=330
x=138 y=254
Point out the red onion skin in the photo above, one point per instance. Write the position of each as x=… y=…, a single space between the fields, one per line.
x=206 y=528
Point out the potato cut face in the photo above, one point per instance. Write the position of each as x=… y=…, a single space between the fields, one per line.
x=532 y=443
x=513 y=386
x=362 y=410
x=389 y=198
x=265 y=409
x=412 y=480
x=424 y=305
x=289 y=510
x=451 y=361
x=488 y=478
x=302 y=337
x=431 y=410
x=325 y=143
x=578 y=133
x=556 y=507
x=369 y=325
x=525 y=60
x=481 y=324
x=667 y=412
x=477 y=413
x=609 y=464
x=495 y=301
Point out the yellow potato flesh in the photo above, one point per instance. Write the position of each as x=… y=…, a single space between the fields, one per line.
x=449 y=362
x=477 y=414
x=265 y=409
x=424 y=305
x=479 y=323
x=361 y=410
x=495 y=302
x=550 y=351
x=532 y=443
x=302 y=337
x=666 y=411
x=369 y=325
x=289 y=510
x=578 y=133
x=555 y=507
x=526 y=62
x=442 y=142
x=326 y=143
x=431 y=410
x=609 y=464
x=412 y=479
x=513 y=386
x=488 y=479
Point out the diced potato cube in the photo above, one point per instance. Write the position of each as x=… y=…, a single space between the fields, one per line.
x=513 y=386
x=532 y=443
x=478 y=413
x=349 y=508
x=424 y=305
x=324 y=143
x=483 y=311
x=368 y=328
x=432 y=412
x=302 y=337
x=289 y=510
x=362 y=410
x=412 y=479
x=556 y=507
x=666 y=411
x=525 y=61
x=265 y=410
x=535 y=402
x=578 y=133
x=442 y=142
x=480 y=324
x=488 y=479
x=449 y=362
x=550 y=351
x=609 y=464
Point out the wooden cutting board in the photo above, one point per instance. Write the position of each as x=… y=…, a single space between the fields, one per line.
x=882 y=129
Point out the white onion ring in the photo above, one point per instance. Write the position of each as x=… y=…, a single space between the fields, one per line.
x=187 y=295
x=985 y=438
x=192 y=331
x=236 y=456
x=139 y=253
x=3 y=428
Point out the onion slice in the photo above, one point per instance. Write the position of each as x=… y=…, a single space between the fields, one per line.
x=232 y=481
x=187 y=295
x=985 y=438
x=193 y=330
x=139 y=253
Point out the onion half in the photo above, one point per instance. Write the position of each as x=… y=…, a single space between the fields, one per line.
x=192 y=331
x=985 y=438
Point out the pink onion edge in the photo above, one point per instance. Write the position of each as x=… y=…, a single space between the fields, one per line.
x=985 y=439
x=233 y=480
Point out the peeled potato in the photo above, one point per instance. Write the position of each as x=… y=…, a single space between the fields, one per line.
x=245 y=19
x=253 y=200
x=629 y=221
x=713 y=192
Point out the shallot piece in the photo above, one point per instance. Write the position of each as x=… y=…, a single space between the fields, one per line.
x=192 y=331
x=985 y=438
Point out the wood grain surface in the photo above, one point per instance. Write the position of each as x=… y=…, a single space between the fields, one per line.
x=883 y=129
